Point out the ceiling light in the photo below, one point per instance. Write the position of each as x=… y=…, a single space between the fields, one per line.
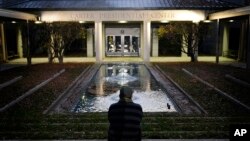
x=165 y=21
x=207 y=21
x=196 y=21
x=38 y=22
x=122 y=22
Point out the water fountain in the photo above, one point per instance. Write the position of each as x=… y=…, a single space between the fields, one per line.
x=104 y=89
x=122 y=77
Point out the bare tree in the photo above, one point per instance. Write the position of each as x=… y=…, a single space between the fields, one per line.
x=55 y=37
x=62 y=34
x=191 y=35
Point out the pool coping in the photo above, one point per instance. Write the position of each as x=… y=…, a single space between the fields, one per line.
x=68 y=99
x=188 y=105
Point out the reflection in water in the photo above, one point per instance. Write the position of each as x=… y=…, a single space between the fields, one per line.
x=104 y=89
x=123 y=77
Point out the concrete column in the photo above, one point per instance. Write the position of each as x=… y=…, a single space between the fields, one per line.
x=196 y=51
x=19 y=43
x=147 y=40
x=217 y=39
x=225 y=40
x=3 y=45
x=155 y=43
x=141 y=46
x=98 y=40
x=103 y=41
x=243 y=41
x=248 y=45
x=90 y=45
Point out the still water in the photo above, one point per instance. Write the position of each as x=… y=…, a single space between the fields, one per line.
x=104 y=89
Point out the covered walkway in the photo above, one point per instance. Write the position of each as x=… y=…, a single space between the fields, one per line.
x=23 y=61
x=131 y=59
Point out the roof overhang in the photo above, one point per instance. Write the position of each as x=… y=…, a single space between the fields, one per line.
x=17 y=15
x=230 y=13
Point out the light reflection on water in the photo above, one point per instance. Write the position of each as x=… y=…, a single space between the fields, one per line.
x=104 y=89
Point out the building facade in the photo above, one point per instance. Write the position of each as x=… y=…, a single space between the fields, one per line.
x=120 y=29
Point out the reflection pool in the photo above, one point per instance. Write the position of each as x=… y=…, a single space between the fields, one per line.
x=103 y=89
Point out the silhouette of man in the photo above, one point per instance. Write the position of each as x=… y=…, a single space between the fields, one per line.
x=125 y=118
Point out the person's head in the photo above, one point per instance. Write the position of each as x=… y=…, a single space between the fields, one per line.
x=126 y=93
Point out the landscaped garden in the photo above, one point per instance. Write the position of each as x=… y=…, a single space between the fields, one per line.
x=25 y=119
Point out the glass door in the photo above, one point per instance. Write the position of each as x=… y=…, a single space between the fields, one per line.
x=122 y=45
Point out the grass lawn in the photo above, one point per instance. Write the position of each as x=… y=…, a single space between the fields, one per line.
x=26 y=121
x=32 y=76
x=215 y=104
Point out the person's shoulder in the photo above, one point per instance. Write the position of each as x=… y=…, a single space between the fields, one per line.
x=114 y=104
x=117 y=104
x=137 y=105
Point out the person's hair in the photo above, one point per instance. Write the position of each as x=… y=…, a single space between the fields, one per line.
x=126 y=92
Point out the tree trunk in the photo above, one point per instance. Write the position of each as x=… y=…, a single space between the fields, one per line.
x=29 y=62
x=50 y=55
x=60 y=56
x=192 y=57
x=28 y=45
x=50 y=58
x=60 y=59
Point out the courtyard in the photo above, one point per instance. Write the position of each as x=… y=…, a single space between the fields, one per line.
x=26 y=118
x=62 y=63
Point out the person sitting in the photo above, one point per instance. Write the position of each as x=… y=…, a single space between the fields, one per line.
x=125 y=117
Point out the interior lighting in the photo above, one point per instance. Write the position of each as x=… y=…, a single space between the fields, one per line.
x=207 y=21
x=231 y=21
x=38 y=22
x=81 y=22
x=13 y=22
x=164 y=21
x=122 y=22
x=196 y=21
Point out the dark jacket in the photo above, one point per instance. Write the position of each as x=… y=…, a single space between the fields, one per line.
x=125 y=118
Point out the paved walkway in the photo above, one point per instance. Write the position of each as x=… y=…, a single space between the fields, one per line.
x=124 y=59
x=23 y=61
